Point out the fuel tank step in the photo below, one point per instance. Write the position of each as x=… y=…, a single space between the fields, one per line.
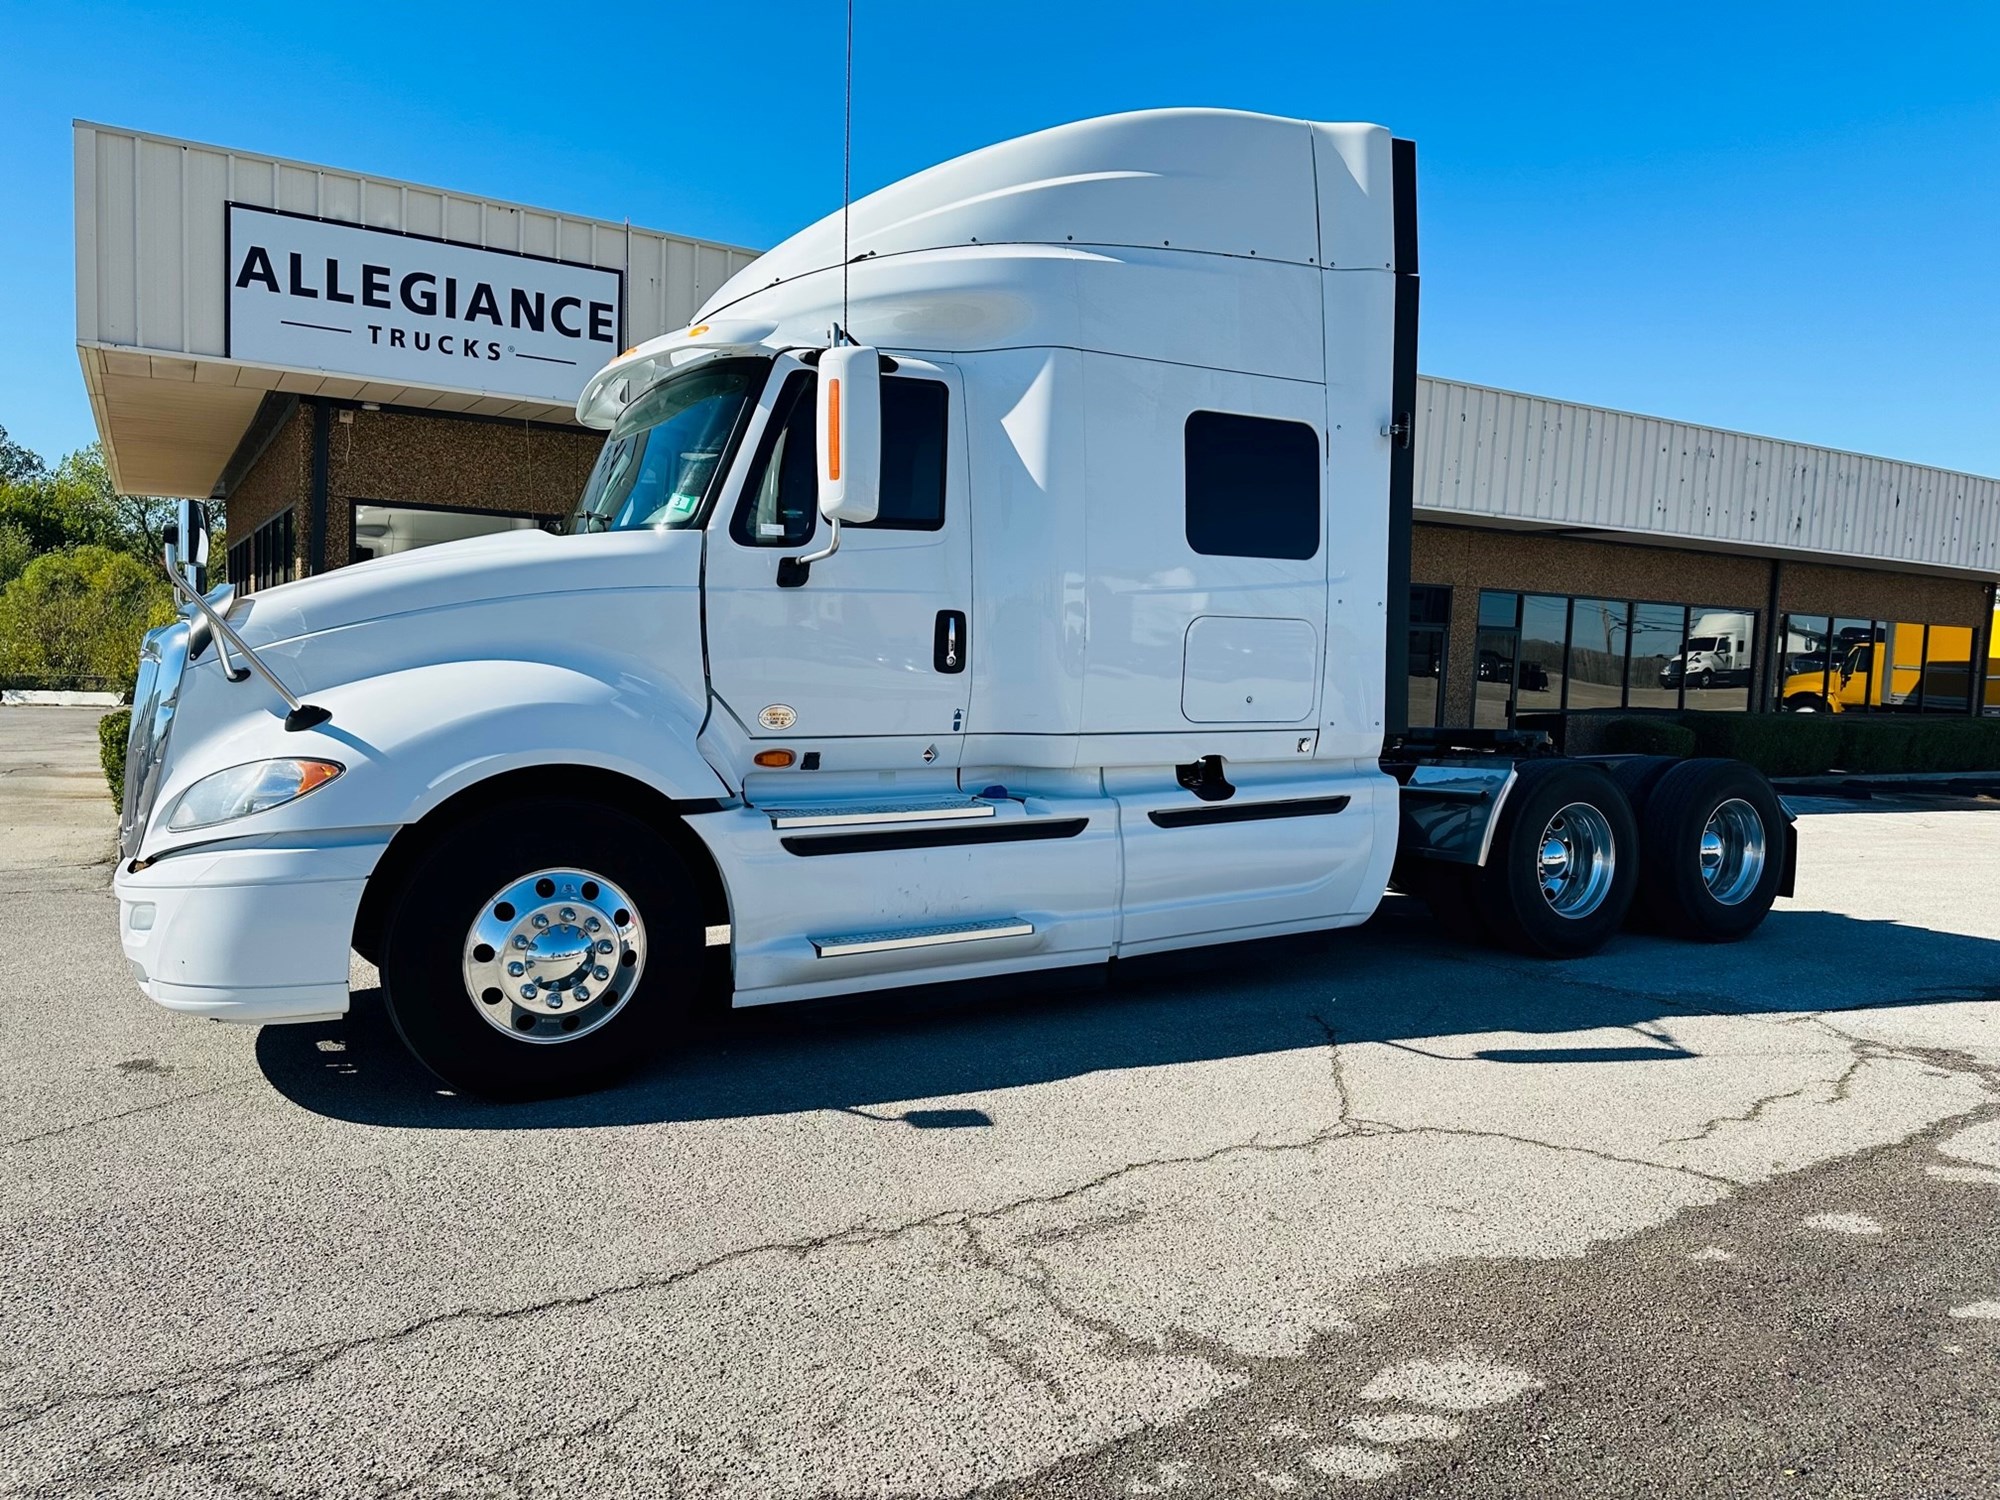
x=892 y=940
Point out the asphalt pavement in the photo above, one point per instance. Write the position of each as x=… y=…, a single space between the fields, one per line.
x=1363 y=1214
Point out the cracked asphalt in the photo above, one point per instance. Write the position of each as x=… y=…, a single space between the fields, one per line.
x=1370 y=1213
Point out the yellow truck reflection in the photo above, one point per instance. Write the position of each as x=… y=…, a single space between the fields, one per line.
x=1889 y=671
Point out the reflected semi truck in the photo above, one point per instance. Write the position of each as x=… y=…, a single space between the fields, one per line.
x=1717 y=653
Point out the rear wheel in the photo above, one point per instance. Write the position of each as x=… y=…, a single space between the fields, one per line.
x=1714 y=841
x=1564 y=864
x=518 y=972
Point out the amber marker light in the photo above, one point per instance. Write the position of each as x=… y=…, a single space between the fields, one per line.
x=774 y=760
x=833 y=430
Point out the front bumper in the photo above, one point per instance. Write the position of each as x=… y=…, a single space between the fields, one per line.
x=253 y=931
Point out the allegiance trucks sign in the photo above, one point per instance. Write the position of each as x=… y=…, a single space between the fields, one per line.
x=315 y=294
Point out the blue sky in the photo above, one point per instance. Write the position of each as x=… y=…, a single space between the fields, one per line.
x=1778 y=219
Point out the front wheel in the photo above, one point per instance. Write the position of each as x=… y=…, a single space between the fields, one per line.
x=543 y=947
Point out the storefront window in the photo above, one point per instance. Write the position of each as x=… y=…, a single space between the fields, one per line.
x=1718 y=658
x=1657 y=633
x=384 y=530
x=1804 y=656
x=266 y=557
x=1943 y=684
x=1543 y=654
x=1597 y=636
x=1430 y=617
x=1499 y=642
x=1857 y=679
x=1538 y=679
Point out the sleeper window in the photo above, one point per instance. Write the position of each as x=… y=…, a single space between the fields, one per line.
x=781 y=505
x=1252 y=486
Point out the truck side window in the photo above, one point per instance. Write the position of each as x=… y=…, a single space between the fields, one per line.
x=780 y=506
x=1252 y=486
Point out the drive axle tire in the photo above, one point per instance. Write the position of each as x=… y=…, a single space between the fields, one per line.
x=542 y=947
x=1714 y=851
x=1564 y=864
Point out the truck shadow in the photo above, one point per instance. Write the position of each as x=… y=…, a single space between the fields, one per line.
x=919 y=1059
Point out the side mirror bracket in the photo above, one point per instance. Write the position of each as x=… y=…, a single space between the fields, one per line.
x=794 y=571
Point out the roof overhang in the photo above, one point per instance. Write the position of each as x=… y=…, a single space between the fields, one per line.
x=170 y=422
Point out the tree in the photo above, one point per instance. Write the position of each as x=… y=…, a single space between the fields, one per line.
x=74 y=505
x=17 y=462
x=79 y=613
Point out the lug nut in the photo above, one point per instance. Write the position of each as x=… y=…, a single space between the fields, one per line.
x=527 y=992
x=568 y=913
x=600 y=973
x=520 y=940
x=554 y=1000
x=582 y=995
x=517 y=968
x=591 y=924
x=540 y=920
x=604 y=945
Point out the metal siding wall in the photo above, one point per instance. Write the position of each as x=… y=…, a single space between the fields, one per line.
x=1496 y=455
x=150 y=254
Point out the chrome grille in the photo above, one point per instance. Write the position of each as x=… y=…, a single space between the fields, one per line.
x=162 y=659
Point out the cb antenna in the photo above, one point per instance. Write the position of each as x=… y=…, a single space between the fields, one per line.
x=847 y=172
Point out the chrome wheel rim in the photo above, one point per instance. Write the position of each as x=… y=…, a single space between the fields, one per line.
x=1577 y=861
x=553 y=956
x=1732 y=852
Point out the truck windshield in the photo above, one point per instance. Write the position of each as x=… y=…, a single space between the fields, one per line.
x=665 y=454
x=1702 y=643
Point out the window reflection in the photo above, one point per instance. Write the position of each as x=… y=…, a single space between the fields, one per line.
x=1857 y=678
x=1499 y=640
x=1657 y=633
x=1716 y=661
x=1538 y=677
x=1597 y=635
x=1804 y=655
x=1430 y=616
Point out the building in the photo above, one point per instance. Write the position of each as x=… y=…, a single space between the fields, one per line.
x=359 y=366
x=356 y=365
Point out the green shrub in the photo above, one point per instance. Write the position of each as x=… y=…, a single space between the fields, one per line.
x=1653 y=734
x=1917 y=743
x=1776 y=744
x=112 y=731
x=1866 y=744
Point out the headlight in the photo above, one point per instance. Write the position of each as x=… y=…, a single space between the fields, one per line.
x=242 y=790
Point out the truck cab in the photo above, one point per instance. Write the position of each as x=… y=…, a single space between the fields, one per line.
x=1008 y=578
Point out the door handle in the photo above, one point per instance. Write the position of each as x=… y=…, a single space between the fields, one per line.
x=948 y=646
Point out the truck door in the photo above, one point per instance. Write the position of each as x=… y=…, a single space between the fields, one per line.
x=865 y=660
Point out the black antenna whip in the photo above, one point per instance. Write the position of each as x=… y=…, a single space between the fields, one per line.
x=847 y=172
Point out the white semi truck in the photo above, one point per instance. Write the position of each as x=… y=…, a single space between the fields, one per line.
x=1009 y=578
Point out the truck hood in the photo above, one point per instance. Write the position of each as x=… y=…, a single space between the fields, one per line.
x=523 y=565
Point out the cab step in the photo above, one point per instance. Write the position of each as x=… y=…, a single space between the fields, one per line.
x=893 y=940
x=861 y=814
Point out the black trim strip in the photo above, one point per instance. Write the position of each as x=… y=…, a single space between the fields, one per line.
x=1024 y=830
x=1403 y=200
x=1246 y=812
x=1402 y=450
